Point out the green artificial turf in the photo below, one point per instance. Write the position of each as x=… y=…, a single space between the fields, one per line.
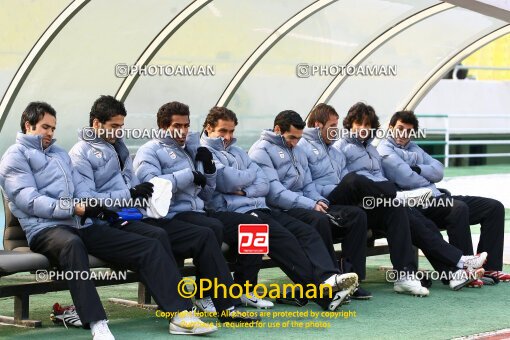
x=444 y=314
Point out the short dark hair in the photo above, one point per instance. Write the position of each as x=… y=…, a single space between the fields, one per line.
x=321 y=114
x=105 y=108
x=288 y=118
x=217 y=113
x=34 y=112
x=358 y=113
x=168 y=110
x=407 y=117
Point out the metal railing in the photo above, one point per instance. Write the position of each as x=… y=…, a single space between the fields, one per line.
x=448 y=131
x=474 y=67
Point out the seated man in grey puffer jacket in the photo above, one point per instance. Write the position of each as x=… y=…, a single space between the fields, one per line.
x=410 y=167
x=103 y=162
x=402 y=226
x=41 y=186
x=178 y=157
x=242 y=186
x=344 y=190
x=291 y=188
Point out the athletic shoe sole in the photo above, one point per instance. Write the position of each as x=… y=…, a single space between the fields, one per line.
x=407 y=292
x=411 y=293
x=474 y=285
x=339 y=300
x=174 y=329
x=349 y=280
x=478 y=275
x=343 y=297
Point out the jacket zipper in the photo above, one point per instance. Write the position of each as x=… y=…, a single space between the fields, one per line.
x=192 y=166
x=329 y=158
x=293 y=159
x=67 y=185
x=370 y=157
x=118 y=161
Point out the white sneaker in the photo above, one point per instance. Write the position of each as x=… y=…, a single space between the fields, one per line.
x=205 y=305
x=187 y=323
x=476 y=261
x=410 y=286
x=340 y=298
x=68 y=317
x=463 y=277
x=100 y=330
x=415 y=197
x=342 y=281
x=255 y=302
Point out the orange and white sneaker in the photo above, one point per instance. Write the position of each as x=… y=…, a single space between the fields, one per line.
x=500 y=276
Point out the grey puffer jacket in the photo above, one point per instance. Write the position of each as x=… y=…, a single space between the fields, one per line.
x=39 y=185
x=165 y=158
x=290 y=180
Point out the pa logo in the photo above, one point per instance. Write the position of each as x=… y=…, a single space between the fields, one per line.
x=253 y=239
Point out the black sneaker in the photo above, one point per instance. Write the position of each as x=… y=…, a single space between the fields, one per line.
x=287 y=299
x=361 y=294
x=489 y=281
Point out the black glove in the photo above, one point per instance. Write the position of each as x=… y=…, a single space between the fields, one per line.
x=416 y=169
x=205 y=156
x=96 y=211
x=199 y=179
x=143 y=190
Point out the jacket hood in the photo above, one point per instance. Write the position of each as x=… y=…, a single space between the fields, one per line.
x=394 y=143
x=87 y=136
x=270 y=136
x=312 y=134
x=356 y=141
x=192 y=139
